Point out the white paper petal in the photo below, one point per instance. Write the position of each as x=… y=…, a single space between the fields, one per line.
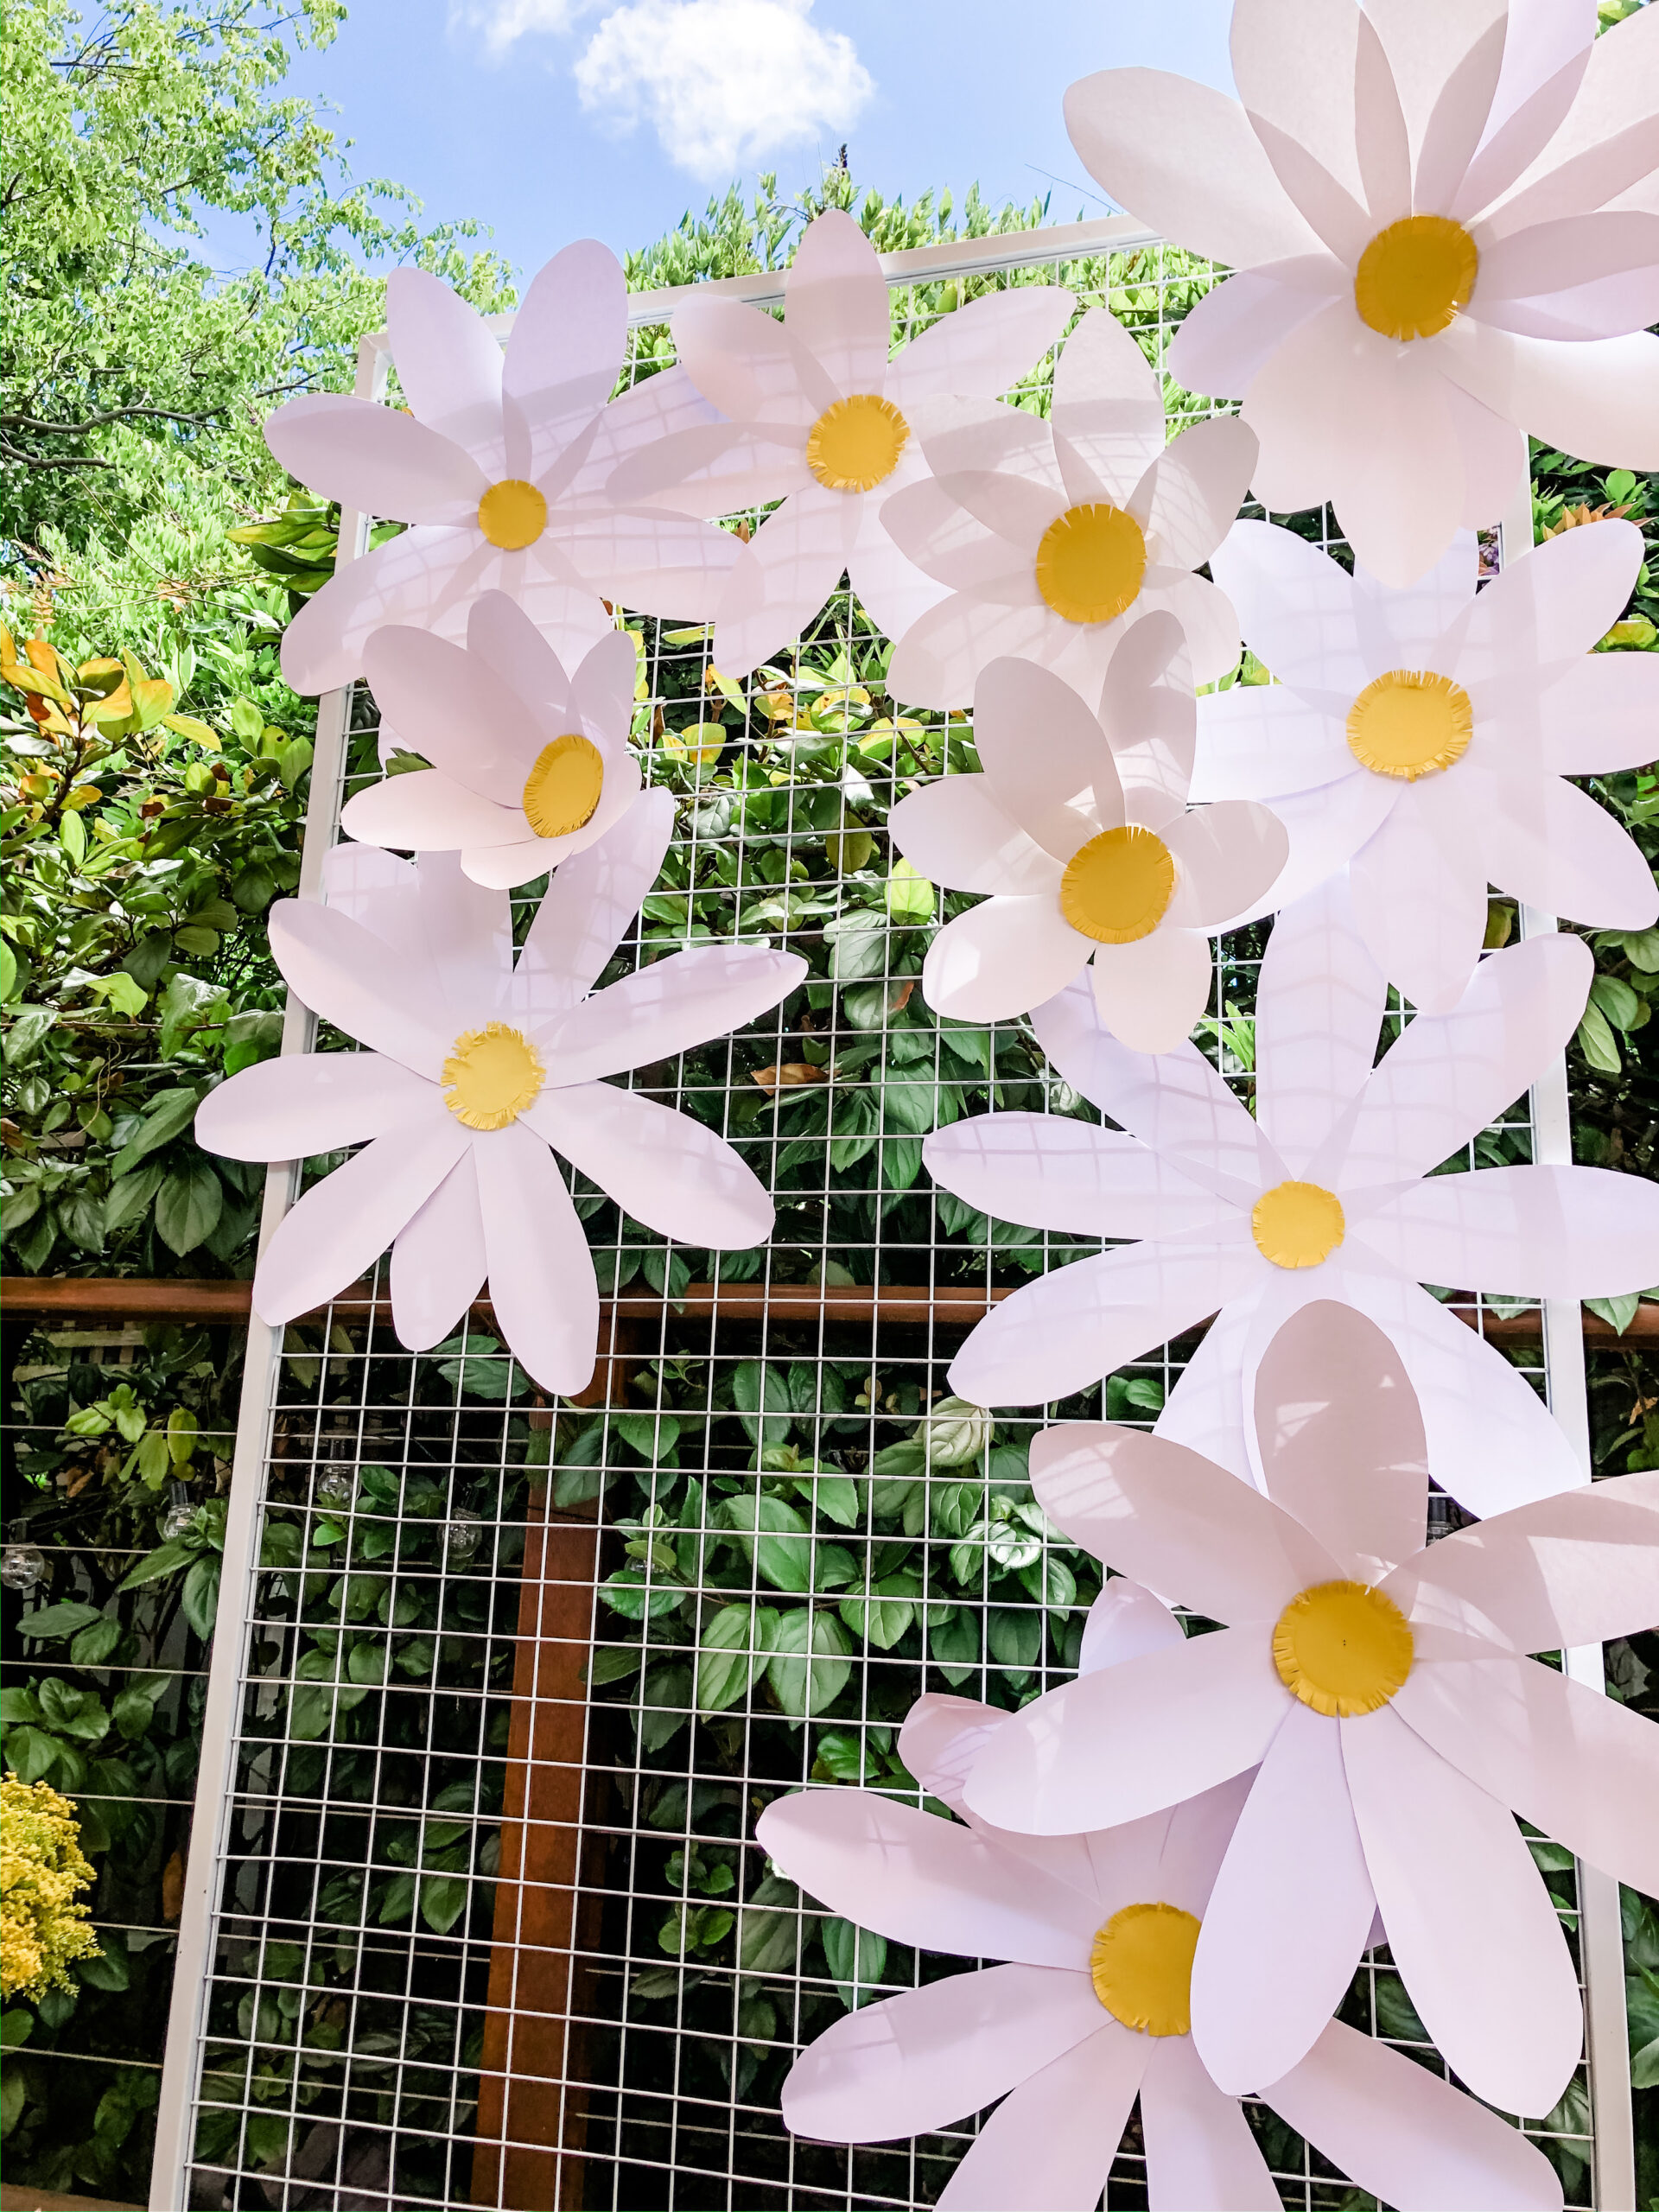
x=1327 y=827
x=424 y=810
x=568 y=342
x=1228 y=858
x=343 y=1224
x=1151 y=993
x=752 y=368
x=781 y=579
x=1113 y=1746
x=1294 y=65
x=957 y=833
x=893 y=591
x=541 y=1282
x=1574 y=1762
x=438 y=1261
x=1150 y=715
x=935 y=663
x=309 y=1102
x=1230 y=335
x=932 y=528
x=1544 y=1232
x=1049 y=2147
x=1175 y=1522
x=1198 y=484
x=918 y=2062
x=354 y=981
x=1124 y=1621
x=1203 y=612
x=1318 y=1017
x=1470 y=1925
x=1045 y=755
x=1424 y=626
x=712 y=466
x=1257 y=740
x=667 y=1008
x=1201 y=2155
x=1407 y=2136
x=1296 y=608
x=920 y=1880
x=1277 y=1949
x=1001 y=959
x=448 y=365
x=426 y=575
x=1599 y=714
x=669 y=565
x=1062 y=1333
x=663 y=1167
x=836 y=302
x=981 y=348
x=1108 y=415
x=587 y=910
x=1555 y=847
x=1418 y=890
x=1342 y=1439
x=1599 y=399
x=1049 y=1172
x=375 y=458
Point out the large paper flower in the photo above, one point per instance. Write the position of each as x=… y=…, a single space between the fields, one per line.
x=1328 y=1191
x=1440 y=248
x=533 y=764
x=501 y=466
x=816 y=416
x=1383 y=1690
x=1094 y=2009
x=1423 y=737
x=1053 y=536
x=1079 y=830
x=478 y=1070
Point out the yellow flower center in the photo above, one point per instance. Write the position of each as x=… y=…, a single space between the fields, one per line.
x=1141 y=1965
x=1297 y=1224
x=855 y=445
x=1414 y=277
x=1090 y=564
x=563 y=789
x=1343 y=1648
x=513 y=514
x=494 y=1074
x=1409 y=724
x=1117 y=886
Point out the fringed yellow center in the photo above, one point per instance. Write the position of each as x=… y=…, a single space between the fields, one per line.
x=1409 y=723
x=494 y=1074
x=855 y=445
x=1415 y=277
x=1117 y=886
x=1298 y=1224
x=1090 y=564
x=1343 y=1648
x=1142 y=1966
x=513 y=514
x=563 y=789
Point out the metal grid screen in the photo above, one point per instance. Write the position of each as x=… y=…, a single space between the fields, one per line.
x=502 y=1685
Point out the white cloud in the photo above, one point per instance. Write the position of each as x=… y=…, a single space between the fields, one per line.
x=503 y=23
x=722 y=82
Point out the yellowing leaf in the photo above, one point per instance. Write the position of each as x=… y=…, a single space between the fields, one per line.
x=702 y=744
x=199 y=733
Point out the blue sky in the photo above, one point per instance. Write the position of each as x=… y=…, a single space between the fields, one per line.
x=556 y=119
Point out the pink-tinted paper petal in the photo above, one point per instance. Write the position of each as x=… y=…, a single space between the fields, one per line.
x=1382 y=142
x=781 y=579
x=1230 y=334
x=914 y=2063
x=1419 y=892
x=1471 y=1927
x=982 y=347
x=1201 y=2155
x=1555 y=847
x=1175 y=1520
x=427 y=811
x=448 y=363
x=1227 y=857
x=753 y=369
x=1151 y=993
x=375 y=458
x=359 y=984
x=500 y=634
x=426 y=575
x=1294 y=65
x=1258 y=740
x=1295 y=608
x=438 y=1261
x=452 y=706
x=1553 y=605
x=1000 y=959
x=712 y=466
x=1198 y=484
x=1204 y=614
x=1599 y=399
x=935 y=664
x=1184 y=158
x=933 y=530
x=1407 y=2136
x=1599 y=714
x=1049 y=1172
x=587 y=909
x=1126 y=1620
x=541 y=1282
x=955 y=832
x=1108 y=415
x=924 y=1881
x=1320 y=1005
x=1342 y=1439
x=1195 y=1842
x=836 y=302
x=1150 y=715
x=1049 y=2147
x=663 y=1167
x=663 y=564
x=667 y=1008
x=343 y=1224
x=1062 y=1333
x=569 y=339
x=1602 y=147
x=1457 y=120
x=1574 y=1762
x=1399 y=484
x=1045 y=755
x=1542 y=1232
x=941 y=1737
x=468 y=932
x=310 y=1102
x=1113 y=1746
x=893 y=591
x=1280 y=1942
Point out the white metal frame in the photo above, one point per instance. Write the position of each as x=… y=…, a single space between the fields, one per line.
x=1601 y=1929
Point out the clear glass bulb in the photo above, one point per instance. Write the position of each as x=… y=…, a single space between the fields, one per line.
x=335 y=1487
x=462 y=1535
x=21 y=1566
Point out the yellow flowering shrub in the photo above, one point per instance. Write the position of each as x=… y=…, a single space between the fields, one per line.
x=42 y=1923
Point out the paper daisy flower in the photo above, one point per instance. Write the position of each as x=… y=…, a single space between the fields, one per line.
x=1052 y=537
x=500 y=464
x=1094 y=2008
x=478 y=1070
x=1329 y=1191
x=1422 y=739
x=1384 y=1691
x=1079 y=829
x=818 y=416
x=533 y=764
x=1439 y=244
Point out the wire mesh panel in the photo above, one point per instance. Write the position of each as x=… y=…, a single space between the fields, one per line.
x=487 y=1924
